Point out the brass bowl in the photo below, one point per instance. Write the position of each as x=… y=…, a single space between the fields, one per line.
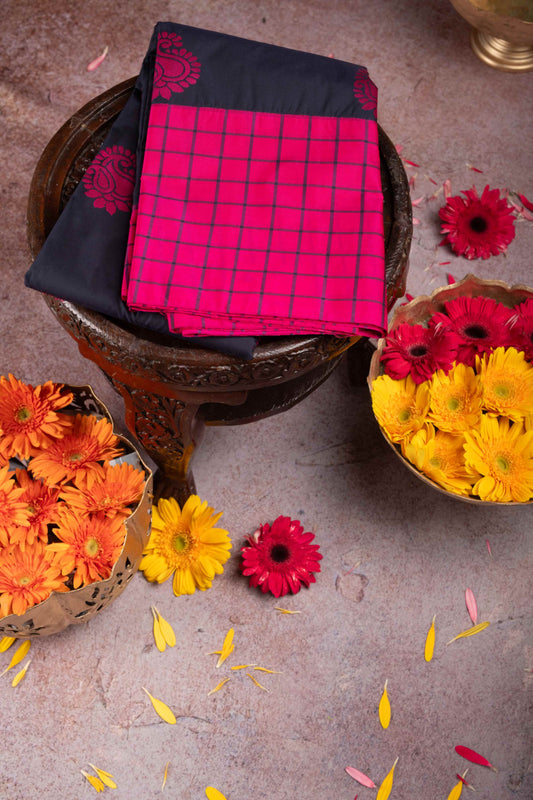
x=502 y=32
x=418 y=311
x=62 y=609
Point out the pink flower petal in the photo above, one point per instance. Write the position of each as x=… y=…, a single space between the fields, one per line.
x=525 y=202
x=97 y=61
x=360 y=777
x=471 y=605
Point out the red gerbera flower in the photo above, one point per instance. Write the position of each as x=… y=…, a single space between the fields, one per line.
x=280 y=557
x=481 y=323
x=521 y=324
x=477 y=227
x=418 y=351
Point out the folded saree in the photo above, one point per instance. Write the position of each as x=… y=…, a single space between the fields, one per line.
x=238 y=195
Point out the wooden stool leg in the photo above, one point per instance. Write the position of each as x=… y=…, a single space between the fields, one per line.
x=169 y=430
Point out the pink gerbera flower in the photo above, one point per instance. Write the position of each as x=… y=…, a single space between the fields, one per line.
x=477 y=227
x=481 y=323
x=521 y=324
x=280 y=557
x=418 y=351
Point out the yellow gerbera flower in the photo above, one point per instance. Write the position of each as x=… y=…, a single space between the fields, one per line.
x=507 y=380
x=502 y=452
x=28 y=416
x=440 y=456
x=456 y=399
x=184 y=542
x=400 y=406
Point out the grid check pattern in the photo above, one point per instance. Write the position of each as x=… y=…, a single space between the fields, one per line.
x=256 y=223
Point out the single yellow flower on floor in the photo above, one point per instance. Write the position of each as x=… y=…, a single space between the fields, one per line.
x=184 y=543
x=440 y=456
x=502 y=452
x=507 y=380
x=400 y=406
x=456 y=399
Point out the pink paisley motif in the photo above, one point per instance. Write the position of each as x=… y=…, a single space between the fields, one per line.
x=365 y=91
x=110 y=179
x=175 y=68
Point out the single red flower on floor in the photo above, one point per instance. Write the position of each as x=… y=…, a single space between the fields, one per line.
x=481 y=323
x=521 y=324
x=280 y=557
x=418 y=351
x=477 y=227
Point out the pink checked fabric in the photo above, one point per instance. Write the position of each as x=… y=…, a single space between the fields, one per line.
x=251 y=222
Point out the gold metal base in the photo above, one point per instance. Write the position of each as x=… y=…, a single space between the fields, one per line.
x=501 y=54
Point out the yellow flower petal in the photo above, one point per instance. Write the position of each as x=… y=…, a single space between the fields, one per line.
x=455 y=793
x=218 y=687
x=430 y=642
x=285 y=610
x=18 y=655
x=213 y=794
x=386 y=787
x=165 y=775
x=166 y=629
x=257 y=682
x=161 y=709
x=470 y=631
x=6 y=643
x=105 y=777
x=95 y=782
x=272 y=671
x=227 y=647
x=243 y=666
x=19 y=676
x=159 y=639
x=384 y=709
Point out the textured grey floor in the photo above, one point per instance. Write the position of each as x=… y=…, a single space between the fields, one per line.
x=324 y=462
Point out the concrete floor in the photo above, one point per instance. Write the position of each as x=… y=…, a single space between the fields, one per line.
x=323 y=462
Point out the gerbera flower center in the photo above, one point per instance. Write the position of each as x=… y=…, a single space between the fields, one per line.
x=73 y=456
x=23 y=414
x=418 y=350
x=279 y=553
x=404 y=415
x=503 y=463
x=92 y=547
x=181 y=541
x=478 y=224
x=476 y=332
x=453 y=404
x=24 y=580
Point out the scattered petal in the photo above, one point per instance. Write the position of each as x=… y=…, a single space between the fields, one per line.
x=447 y=188
x=285 y=610
x=475 y=758
x=166 y=628
x=18 y=655
x=416 y=221
x=386 y=787
x=227 y=648
x=213 y=794
x=470 y=631
x=417 y=201
x=272 y=671
x=411 y=163
x=488 y=547
x=161 y=709
x=360 y=777
x=471 y=605
x=165 y=776
x=158 y=633
x=97 y=61
x=449 y=277
x=432 y=181
x=474 y=169
x=218 y=687
x=105 y=777
x=384 y=708
x=242 y=666
x=525 y=202
x=257 y=682
x=455 y=793
x=19 y=676
x=95 y=782
x=463 y=780
x=430 y=642
x=6 y=643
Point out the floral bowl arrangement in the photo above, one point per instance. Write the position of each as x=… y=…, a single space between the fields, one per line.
x=452 y=390
x=75 y=501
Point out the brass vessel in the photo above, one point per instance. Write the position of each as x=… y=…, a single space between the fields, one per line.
x=502 y=32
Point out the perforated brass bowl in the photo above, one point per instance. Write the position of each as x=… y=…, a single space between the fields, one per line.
x=418 y=311
x=62 y=609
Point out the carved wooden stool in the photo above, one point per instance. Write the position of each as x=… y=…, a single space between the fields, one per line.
x=172 y=388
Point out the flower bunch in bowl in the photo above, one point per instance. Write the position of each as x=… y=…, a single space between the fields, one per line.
x=68 y=486
x=452 y=389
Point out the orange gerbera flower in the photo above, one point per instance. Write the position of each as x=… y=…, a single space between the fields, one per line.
x=26 y=578
x=28 y=416
x=89 y=442
x=13 y=509
x=109 y=495
x=42 y=506
x=89 y=546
